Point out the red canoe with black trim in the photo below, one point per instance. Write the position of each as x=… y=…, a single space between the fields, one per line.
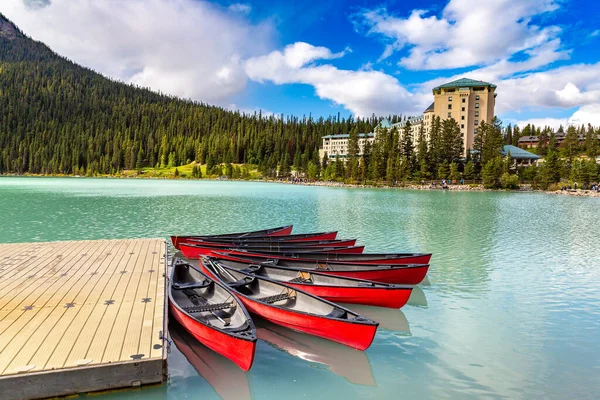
x=325 y=237
x=193 y=250
x=296 y=309
x=271 y=232
x=326 y=255
x=275 y=245
x=329 y=287
x=209 y=311
x=394 y=273
x=297 y=238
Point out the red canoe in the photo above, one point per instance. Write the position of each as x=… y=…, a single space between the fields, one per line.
x=326 y=256
x=274 y=245
x=295 y=309
x=212 y=314
x=400 y=274
x=272 y=232
x=193 y=250
x=329 y=287
x=295 y=238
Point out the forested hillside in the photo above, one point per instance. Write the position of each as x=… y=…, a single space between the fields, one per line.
x=58 y=117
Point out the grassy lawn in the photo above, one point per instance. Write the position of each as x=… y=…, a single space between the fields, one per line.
x=185 y=171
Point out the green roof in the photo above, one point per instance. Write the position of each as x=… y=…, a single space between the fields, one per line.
x=385 y=123
x=430 y=108
x=464 y=82
x=518 y=153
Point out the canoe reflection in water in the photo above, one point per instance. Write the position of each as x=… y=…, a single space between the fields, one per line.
x=228 y=380
x=389 y=319
x=348 y=363
x=417 y=297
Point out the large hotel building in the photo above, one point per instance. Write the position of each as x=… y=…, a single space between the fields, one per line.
x=468 y=101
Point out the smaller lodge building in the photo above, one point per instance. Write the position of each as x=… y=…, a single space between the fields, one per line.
x=519 y=156
x=530 y=142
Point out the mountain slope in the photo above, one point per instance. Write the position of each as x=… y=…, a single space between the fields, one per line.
x=58 y=117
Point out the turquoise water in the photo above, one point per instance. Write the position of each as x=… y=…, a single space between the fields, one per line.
x=511 y=307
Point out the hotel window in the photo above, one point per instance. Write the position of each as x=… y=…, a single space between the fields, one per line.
x=464 y=100
x=449 y=98
x=463 y=109
x=476 y=122
x=477 y=97
x=477 y=113
x=476 y=105
x=449 y=106
x=462 y=117
x=462 y=126
x=449 y=115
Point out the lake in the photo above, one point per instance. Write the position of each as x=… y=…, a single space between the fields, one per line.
x=510 y=309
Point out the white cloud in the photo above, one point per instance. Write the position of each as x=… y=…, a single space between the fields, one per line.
x=362 y=92
x=467 y=33
x=188 y=48
x=240 y=8
x=589 y=114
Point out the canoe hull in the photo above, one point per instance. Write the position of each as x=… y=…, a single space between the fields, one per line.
x=357 y=336
x=238 y=350
x=325 y=256
x=281 y=231
x=352 y=334
x=379 y=297
x=412 y=275
x=192 y=250
x=399 y=274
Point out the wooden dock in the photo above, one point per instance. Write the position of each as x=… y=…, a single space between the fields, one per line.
x=81 y=316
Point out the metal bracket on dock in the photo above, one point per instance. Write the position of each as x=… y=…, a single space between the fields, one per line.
x=165 y=339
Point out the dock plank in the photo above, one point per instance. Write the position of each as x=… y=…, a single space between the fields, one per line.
x=70 y=307
x=118 y=335
x=26 y=340
x=75 y=325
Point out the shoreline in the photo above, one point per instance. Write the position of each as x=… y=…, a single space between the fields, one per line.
x=451 y=187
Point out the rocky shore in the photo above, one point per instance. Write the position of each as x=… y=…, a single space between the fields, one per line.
x=453 y=187
x=473 y=187
x=579 y=193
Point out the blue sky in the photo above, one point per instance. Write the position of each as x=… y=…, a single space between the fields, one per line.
x=330 y=56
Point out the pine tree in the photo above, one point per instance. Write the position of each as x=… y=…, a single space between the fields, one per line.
x=591 y=142
x=469 y=172
x=423 y=158
x=492 y=172
x=353 y=150
x=284 y=166
x=443 y=171
x=571 y=144
x=454 y=173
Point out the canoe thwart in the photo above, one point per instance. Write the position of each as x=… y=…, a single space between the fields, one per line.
x=191 y=285
x=337 y=313
x=242 y=282
x=276 y=298
x=208 y=307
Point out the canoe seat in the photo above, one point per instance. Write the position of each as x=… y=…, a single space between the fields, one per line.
x=303 y=277
x=366 y=284
x=251 y=269
x=276 y=298
x=191 y=285
x=242 y=282
x=208 y=307
x=337 y=313
x=300 y=279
